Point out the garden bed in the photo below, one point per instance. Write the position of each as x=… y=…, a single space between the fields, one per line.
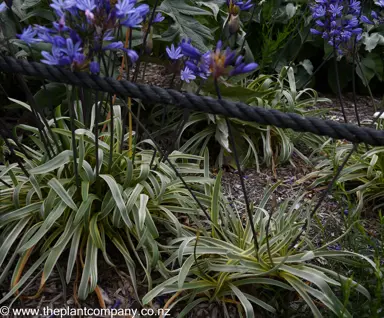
x=115 y=284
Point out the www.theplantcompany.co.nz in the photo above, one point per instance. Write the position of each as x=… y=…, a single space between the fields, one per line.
x=82 y=312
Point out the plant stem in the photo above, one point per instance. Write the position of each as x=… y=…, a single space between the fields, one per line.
x=176 y=134
x=241 y=176
x=111 y=142
x=36 y=113
x=366 y=83
x=17 y=158
x=5 y=183
x=338 y=84
x=323 y=196
x=291 y=37
x=74 y=146
x=172 y=80
x=164 y=115
x=97 y=115
x=136 y=74
x=121 y=73
x=128 y=42
x=15 y=140
x=354 y=84
x=249 y=27
x=318 y=69
x=177 y=173
x=130 y=126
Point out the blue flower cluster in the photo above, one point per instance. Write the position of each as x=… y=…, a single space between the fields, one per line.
x=82 y=29
x=337 y=21
x=216 y=63
x=377 y=18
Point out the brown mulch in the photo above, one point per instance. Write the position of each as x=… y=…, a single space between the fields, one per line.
x=159 y=75
x=365 y=108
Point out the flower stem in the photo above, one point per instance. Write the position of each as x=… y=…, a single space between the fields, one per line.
x=329 y=56
x=130 y=124
x=338 y=84
x=354 y=84
x=366 y=83
x=241 y=176
x=323 y=196
x=74 y=146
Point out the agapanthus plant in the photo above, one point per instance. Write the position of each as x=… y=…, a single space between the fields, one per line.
x=234 y=9
x=337 y=22
x=79 y=36
x=216 y=63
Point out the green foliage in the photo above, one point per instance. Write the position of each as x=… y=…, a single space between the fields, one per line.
x=186 y=24
x=221 y=265
x=76 y=210
x=364 y=236
x=255 y=143
x=276 y=27
x=122 y=201
x=362 y=179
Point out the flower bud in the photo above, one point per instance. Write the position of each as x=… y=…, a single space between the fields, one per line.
x=234 y=24
x=149 y=45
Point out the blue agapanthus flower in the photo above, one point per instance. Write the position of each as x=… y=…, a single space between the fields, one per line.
x=62 y=5
x=187 y=75
x=337 y=21
x=174 y=53
x=124 y=7
x=56 y=57
x=84 y=29
x=28 y=36
x=215 y=63
x=87 y=6
x=158 y=18
x=220 y=60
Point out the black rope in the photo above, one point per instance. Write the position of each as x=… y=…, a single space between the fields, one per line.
x=155 y=94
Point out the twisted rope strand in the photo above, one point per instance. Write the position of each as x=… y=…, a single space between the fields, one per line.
x=155 y=94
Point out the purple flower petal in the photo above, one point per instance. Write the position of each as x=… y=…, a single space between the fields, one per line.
x=187 y=75
x=114 y=46
x=158 y=18
x=94 y=67
x=3 y=7
x=174 y=53
x=28 y=36
x=132 y=55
